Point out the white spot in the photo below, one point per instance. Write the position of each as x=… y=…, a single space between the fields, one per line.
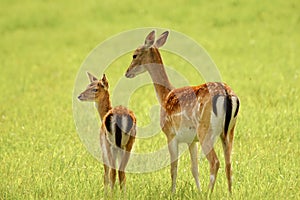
x=186 y=115
x=198 y=106
x=182 y=114
x=212 y=178
x=194 y=116
x=179 y=114
x=202 y=110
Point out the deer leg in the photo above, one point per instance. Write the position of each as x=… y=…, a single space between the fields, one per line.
x=112 y=177
x=125 y=154
x=207 y=143
x=113 y=168
x=106 y=158
x=173 y=149
x=227 y=143
x=106 y=175
x=209 y=152
x=122 y=179
x=106 y=169
x=123 y=164
x=194 y=163
x=214 y=167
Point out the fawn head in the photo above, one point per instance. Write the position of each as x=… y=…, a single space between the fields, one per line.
x=95 y=90
x=146 y=54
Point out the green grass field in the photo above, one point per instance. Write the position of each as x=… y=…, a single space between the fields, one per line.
x=255 y=45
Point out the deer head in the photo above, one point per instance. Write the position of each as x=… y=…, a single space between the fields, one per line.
x=95 y=90
x=146 y=54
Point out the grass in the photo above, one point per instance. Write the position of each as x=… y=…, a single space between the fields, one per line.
x=255 y=45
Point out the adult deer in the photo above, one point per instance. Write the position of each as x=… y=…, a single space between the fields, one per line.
x=117 y=133
x=189 y=114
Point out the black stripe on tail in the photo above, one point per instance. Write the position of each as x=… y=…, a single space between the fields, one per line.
x=108 y=122
x=214 y=104
x=228 y=110
x=237 y=107
x=118 y=134
x=123 y=125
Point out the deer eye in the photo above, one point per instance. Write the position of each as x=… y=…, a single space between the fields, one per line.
x=95 y=90
x=134 y=56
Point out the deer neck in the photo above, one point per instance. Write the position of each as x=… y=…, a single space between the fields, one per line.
x=159 y=76
x=103 y=105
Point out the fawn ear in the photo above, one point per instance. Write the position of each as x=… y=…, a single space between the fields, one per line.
x=104 y=81
x=162 y=39
x=91 y=77
x=150 y=39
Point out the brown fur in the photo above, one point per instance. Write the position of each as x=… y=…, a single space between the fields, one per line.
x=97 y=91
x=188 y=109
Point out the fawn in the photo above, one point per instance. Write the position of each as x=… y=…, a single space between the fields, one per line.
x=117 y=132
x=189 y=114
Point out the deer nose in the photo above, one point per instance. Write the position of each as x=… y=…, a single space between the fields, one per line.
x=79 y=97
x=128 y=75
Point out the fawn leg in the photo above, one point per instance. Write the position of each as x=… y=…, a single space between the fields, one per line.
x=193 y=148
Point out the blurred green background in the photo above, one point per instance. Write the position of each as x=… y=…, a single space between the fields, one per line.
x=255 y=45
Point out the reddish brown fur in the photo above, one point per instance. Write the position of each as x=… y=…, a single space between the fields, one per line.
x=187 y=109
x=102 y=99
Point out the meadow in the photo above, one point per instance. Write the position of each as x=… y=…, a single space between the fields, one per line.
x=255 y=45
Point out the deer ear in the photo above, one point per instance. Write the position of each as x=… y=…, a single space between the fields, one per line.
x=104 y=81
x=149 y=41
x=91 y=77
x=162 y=39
